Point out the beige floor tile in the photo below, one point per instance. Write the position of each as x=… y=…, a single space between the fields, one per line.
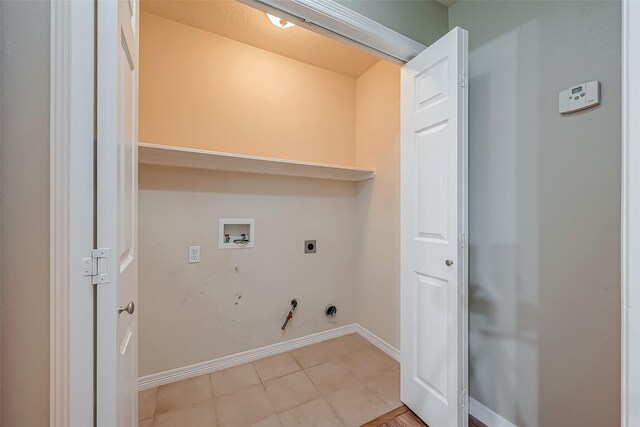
x=346 y=344
x=390 y=360
x=290 y=391
x=357 y=405
x=271 y=421
x=276 y=366
x=311 y=355
x=366 y=363
x=243 y=407
x=146 y=423
x=233 y=379
x=316 y=413
x=199 y=415
x=387 y=387
x=183 y=393
x=147 y=403
x=331 y=376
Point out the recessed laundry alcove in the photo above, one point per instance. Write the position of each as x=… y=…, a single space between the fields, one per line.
x=293 y=135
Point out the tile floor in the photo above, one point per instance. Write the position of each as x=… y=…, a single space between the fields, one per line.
x=343 y=382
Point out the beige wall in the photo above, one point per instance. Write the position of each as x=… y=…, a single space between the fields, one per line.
x=24 y=189
x=200 y=90
x=191 y=313
x=378 y=202
x=545 y=211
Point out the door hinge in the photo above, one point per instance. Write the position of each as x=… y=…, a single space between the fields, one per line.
x=463 y=398
x=461 y=239
x=462 y=79
x=97 y=266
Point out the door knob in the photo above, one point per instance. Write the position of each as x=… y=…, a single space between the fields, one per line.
x=449 y=263
x=128 y=308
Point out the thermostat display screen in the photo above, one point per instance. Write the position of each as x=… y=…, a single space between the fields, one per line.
x=576 y=90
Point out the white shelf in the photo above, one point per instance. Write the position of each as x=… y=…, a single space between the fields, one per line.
x=164 y=155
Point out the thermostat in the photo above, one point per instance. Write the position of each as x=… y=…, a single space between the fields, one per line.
x=579 y=97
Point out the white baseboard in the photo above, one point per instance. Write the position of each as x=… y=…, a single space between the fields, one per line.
x=487 y=416
x=209 y=366
x=378 y=342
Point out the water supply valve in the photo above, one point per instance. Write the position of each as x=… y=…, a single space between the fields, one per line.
x=294 y=304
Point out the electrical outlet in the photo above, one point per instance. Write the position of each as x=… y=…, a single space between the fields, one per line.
x=194 y=254
x=309 y=246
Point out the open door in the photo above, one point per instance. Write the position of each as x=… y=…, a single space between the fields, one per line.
x=433 y=227
x=116 y=213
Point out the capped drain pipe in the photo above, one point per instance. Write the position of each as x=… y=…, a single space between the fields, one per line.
x=294 y=304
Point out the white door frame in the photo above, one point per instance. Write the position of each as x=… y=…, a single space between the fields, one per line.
x=71 y=213
x=630 y=214
x=341 y=23
x=72 y=176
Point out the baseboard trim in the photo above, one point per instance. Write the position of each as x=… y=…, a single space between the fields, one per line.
x=209 y=366
x=378 y=342
x=487 y=416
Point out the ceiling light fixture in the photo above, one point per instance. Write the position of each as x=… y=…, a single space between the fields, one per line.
x=280 y=23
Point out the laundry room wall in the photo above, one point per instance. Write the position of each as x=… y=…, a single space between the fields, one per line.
x=237 y=299
x=378 y=202
x=201 y=90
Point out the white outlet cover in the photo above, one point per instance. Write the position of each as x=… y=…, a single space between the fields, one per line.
x=194 y=254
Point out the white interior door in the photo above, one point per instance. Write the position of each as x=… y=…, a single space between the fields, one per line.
x=434 y=220
x=117 y=172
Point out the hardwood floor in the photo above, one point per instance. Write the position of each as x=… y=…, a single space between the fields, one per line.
x=475 y=423
x=403 y=417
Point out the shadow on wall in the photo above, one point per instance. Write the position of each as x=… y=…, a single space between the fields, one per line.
x=545 y=208
x=504 y=229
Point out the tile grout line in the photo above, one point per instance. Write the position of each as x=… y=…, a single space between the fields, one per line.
x=264 y=387
x=321 y=395
x=376 y=353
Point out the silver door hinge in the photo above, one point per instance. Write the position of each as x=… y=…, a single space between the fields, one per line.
x=462 y=79
x=461 y=239
x=97 y=266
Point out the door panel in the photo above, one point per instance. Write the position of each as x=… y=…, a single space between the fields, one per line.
x=431 y=149
x=117 y=174
x=431 y=372
x=433 y=256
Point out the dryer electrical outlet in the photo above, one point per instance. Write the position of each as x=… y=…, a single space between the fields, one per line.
x=579 y=97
